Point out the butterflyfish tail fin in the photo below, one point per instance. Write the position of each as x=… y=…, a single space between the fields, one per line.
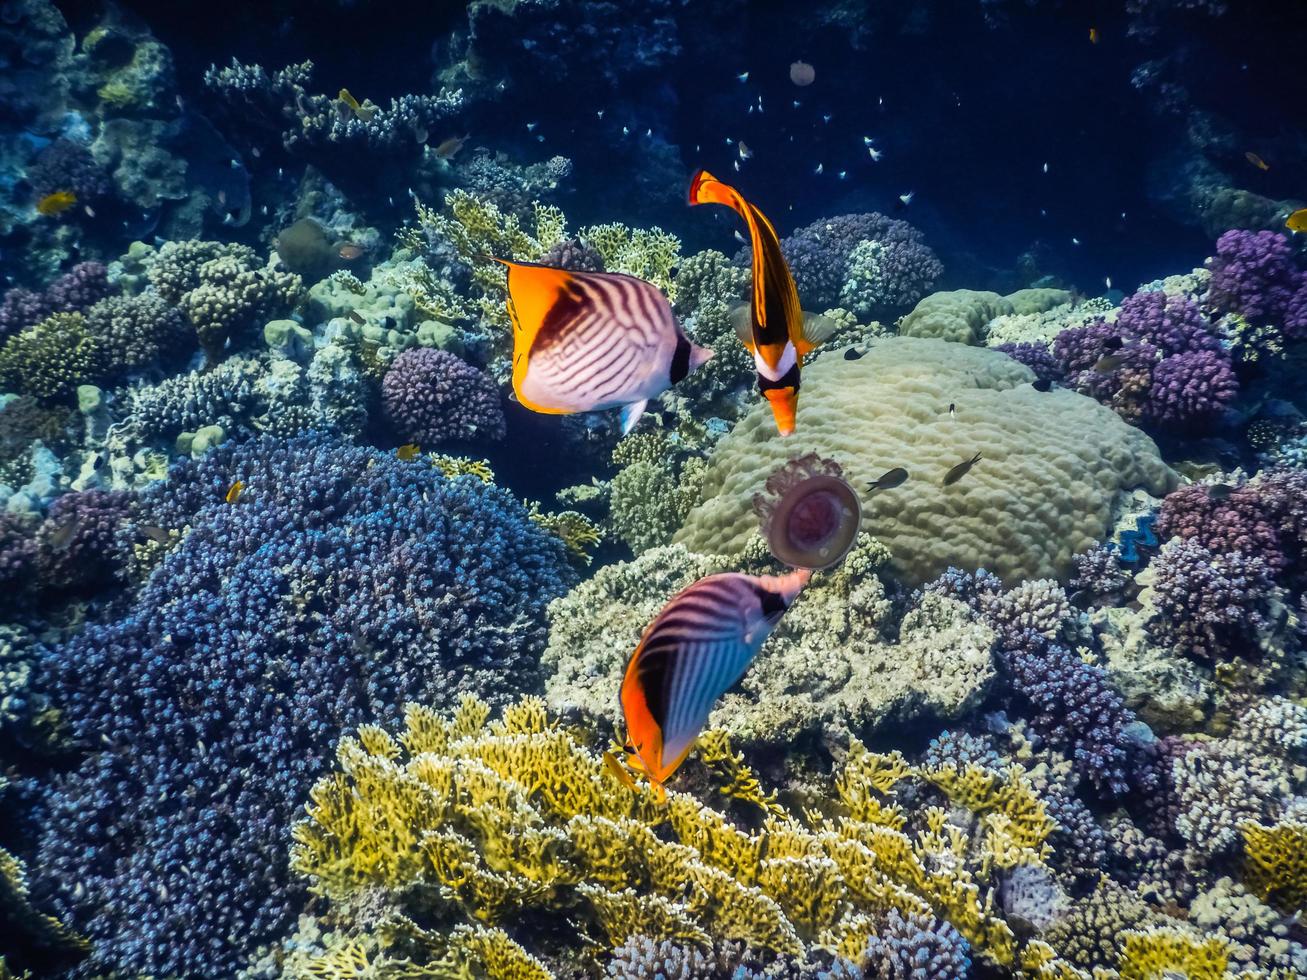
x=631 y=414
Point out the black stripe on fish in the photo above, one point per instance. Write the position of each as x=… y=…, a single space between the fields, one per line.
x=790 y=379
x=680 y=359
x=773 y=604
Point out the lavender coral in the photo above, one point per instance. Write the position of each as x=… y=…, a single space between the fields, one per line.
x=917 y=947
x=1253 y=274
x=881 y=262
x=340 y=587
x=78 y=546
x=1209 y=605
x=1075 y=708
x=432 y=396
x=79 y=287
x=1160 y=361
x=1190 y=388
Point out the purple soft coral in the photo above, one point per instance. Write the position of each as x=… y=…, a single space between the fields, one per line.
x=1173 y=324
x=432 y=396
x=1253 y=274
x=1035 y=356
x=1209 y=605
x=1190 y=388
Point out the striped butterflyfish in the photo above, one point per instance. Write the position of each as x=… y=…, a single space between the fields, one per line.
x=588 y=341
x=777 y=338
x=690 y=655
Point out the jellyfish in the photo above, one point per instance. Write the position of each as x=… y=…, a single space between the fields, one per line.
x=808 y=513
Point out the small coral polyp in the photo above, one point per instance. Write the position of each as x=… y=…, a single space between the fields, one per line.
x=809 y=513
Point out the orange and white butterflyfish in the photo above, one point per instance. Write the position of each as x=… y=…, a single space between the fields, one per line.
x=777 y=339
x=588 y=341
x=700 y=645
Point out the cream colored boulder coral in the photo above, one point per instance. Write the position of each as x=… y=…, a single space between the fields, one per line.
x=963 y=315
x=829 y=667
x=1051 y=463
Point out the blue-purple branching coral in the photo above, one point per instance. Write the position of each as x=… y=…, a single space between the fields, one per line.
x=342 y=584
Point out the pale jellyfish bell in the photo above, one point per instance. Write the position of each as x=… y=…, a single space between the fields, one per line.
x=802 y=73
x=808 y=513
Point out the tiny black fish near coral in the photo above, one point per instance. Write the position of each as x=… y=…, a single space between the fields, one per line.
x=961 y=470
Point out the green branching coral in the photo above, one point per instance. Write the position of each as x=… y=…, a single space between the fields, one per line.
x=654 y=491
x=222 y=289
x=650 y=254
x=52 y=358
x=577 y=532
x=499 y=827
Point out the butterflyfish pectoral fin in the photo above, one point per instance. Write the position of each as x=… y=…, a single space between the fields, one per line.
x=817 y=329
x=631 y=414
x=741 y=317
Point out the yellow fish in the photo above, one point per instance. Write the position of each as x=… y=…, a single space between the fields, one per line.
x=234 y=492
x=1093 y=35
x=1297 y=221
x=56 y=203
x=363 y=112
x=1256 y=161
x=619 y=771
x=408 y=451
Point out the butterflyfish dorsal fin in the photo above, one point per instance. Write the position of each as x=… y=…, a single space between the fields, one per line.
x=533 y=292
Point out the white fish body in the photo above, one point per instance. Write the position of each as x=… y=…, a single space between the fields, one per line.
x=609 y=341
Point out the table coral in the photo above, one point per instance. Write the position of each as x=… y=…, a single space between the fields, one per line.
x=431 y=396
x=1052 y=463
x=344 y=582
x=495 y=821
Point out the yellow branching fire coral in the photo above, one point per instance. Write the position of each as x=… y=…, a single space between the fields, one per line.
x=1275 y=864
x=477 y=824
x=1159 y=954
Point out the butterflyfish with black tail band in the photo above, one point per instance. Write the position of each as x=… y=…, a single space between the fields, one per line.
x=695 y=650
x=777 y=338
x=589 y=341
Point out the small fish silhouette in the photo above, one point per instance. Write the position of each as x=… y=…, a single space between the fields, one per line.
x=889 y=480
x=961 y=470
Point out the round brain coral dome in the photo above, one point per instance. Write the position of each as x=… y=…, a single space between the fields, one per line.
x=1053 y=467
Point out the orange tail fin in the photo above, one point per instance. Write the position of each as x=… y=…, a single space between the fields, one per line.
x=707 y=189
